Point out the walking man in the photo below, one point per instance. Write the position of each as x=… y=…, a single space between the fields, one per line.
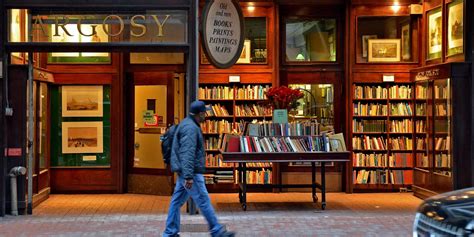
x=188 y=160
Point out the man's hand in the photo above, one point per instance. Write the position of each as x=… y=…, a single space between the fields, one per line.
x=188 y=183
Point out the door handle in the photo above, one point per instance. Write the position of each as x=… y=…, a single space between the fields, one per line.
x=137 y=146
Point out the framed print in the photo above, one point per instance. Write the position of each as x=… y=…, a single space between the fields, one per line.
x=82 y=101
x=434 y=37
x=455 y=28
x=406 y=42
x=384 y=50
x=337 y=143
x=365 y=41
x=245 y=56
x=82 y=137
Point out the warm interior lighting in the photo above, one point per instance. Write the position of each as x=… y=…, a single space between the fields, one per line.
x=251 y=8
x=396 y=6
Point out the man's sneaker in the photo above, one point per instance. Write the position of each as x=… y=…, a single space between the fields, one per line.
x=227 y=234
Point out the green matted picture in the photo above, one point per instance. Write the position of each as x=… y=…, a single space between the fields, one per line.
x=455 y=28
x=75 y=36
x=434 y=37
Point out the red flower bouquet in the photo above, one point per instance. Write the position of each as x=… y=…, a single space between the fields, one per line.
x=283 y=97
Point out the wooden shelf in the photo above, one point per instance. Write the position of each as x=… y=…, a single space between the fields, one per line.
x=399 y=99
x=250 y=99
x=369 y=133
x=401 y=151
x=217 y=100
x=400 y=133
x=204 y=133
x=363 y=99
x=400 y=116
x=356 y=150
x=370 y=116
x=379 y=187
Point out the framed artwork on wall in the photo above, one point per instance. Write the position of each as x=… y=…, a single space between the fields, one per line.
x=384 y=50
x=455 y=27
x=365 y=42
x=82 y=101
x=434 y=37
x=245 y=55
x=406 y=42
x=82 y=137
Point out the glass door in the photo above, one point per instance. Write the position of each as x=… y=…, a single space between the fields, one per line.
x=422 y=134
x=442 y=134
x=151 y=110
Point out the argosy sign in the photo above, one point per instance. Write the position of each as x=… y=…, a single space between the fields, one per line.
x=222 y=32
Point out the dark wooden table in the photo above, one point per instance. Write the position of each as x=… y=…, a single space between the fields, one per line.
x=284 y=157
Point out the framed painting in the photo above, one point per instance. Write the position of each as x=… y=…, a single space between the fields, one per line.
x=82 y=137
x=406 y=42
x=384 y=50
x=245 y=55
x=455 y=27
x=82 y=101
x=434 y=37
x=365 y=42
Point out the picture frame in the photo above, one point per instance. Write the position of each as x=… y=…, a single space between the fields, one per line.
x=337 y=143
x=82 y=101
x=405 y=33
x=455 y=28
x=82 y=137
x=245 y=55
x=384 y=50
x=434 y=37
x=365 y=39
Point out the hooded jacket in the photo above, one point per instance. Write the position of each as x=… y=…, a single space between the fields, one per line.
x=187 y=152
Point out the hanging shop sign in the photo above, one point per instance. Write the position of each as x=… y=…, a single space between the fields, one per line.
x=222 y=32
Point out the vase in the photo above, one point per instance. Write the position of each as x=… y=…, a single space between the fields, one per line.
x=280 y=116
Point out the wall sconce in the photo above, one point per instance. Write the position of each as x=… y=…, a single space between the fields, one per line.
x=251 y=8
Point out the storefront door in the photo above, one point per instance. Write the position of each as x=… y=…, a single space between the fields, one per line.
x=152 y=110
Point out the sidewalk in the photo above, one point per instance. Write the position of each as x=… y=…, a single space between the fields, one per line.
x=269 y=214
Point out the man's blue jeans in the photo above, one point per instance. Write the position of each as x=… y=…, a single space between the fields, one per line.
x=200 y=196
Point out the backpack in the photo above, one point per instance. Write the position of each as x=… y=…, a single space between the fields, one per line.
x=167 y=143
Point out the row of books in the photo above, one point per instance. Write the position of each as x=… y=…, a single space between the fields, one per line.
x=383 y=177
x=400 y=92
x=309 y=128
x=420 y=109
x=421 y=92
x=401 y=143
x=441 y=92
x=224 y=176
x=284 y=144
x=252 y=110
x=213 y=126
x=443 y=161
x=400 y=109
x=215 y=160
x=372 y=160
x=422 y=160
x=216 y=93
x=263 y=176
x=252 y=92
x=420 y=144
x=217 y=110
x=441 y=110
x=420 y=126
x=443 y=143
x=211 y=143
x=400 y=160
x=403 y=126
x=369 y=126
x=382 y=160
x=371 y=109
x=370 y=92
x=369 y=143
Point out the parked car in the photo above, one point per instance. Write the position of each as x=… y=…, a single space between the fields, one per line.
x=447 y=214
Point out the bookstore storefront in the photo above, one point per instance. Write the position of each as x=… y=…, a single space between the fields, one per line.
x=104 y=84
x=91 y=92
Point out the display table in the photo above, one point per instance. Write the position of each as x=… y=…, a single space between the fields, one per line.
x=284 y=157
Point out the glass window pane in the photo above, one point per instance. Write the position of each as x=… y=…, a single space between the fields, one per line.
x=318 y=101
x=310 y=40
x=43 y=106
x=256 y=37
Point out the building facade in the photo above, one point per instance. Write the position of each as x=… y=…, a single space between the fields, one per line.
x=92 y=90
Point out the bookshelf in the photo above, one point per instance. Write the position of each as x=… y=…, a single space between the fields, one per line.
x=233 y=105
x=441 y=130
x=382 y=135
